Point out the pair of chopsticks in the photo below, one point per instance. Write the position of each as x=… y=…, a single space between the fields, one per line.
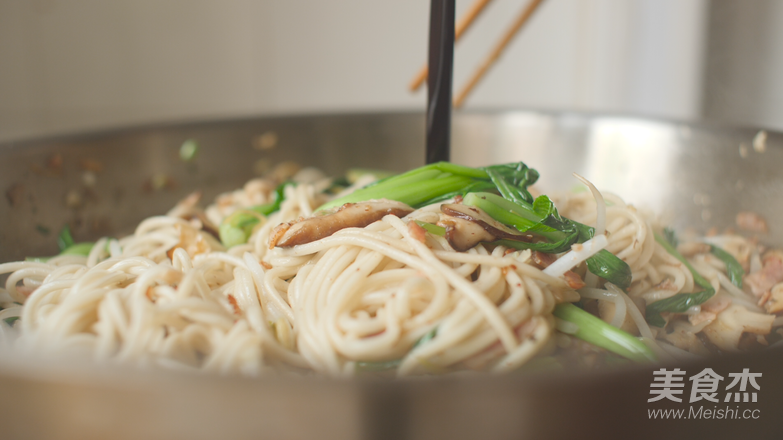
x=470 y=16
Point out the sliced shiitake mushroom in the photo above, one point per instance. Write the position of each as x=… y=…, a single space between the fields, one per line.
x=466 y=226
x=350 y=215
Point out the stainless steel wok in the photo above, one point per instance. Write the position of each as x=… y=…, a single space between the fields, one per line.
x=105 y=183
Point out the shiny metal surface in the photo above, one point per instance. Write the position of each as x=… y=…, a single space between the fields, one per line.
x=698 y=174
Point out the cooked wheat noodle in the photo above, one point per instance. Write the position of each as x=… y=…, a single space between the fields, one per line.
x=170 y=295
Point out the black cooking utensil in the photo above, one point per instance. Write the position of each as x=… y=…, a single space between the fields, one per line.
x=439 y=79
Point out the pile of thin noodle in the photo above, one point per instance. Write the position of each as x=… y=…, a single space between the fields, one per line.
x=372 y=298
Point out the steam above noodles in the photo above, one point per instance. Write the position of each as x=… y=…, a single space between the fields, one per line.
x=389 y=295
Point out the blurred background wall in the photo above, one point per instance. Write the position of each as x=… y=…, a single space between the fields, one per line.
x=71 y=65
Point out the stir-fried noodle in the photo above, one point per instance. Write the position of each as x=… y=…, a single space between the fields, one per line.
x=390 y=296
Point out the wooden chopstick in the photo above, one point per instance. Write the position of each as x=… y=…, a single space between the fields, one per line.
x=497 y=51
x=464 y=22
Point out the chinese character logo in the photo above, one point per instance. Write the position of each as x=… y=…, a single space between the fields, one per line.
x=743 y=379
x=705 y=386
x=667 y=383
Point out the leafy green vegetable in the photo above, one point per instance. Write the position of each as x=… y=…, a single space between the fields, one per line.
x=426 y=338
x=67 y=246
x=521 y=216
x=733 y=268
x=501 y=192
x=680 y=302
x=597 y=332
x=512 y=181
x=412 y=192
x=433 y=182
x=541 y=218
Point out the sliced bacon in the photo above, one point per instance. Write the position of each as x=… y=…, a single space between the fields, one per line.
x=771 y=273
x=711 y=309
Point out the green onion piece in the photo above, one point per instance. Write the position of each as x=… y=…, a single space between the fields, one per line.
x=274 y=205
x=442 y=180
x=416 y=175
x=11 y=320
x=508 y=190
x=403 y=188
x=432 y=229
x=697 y=278
x=680 y=302
x=74 y=249
x=609 y=267
x=670 y=236
x=597 y=332
x=413 y=193
x=426 y=338
x=605 y=264
x=354 y=174
x=478 y=186
x=237 y=227
x=188 y=150
x=508 y=213
x=522 y=217
x=64 y=238
x=79 y=249
x=733 y=268
x=540 y=218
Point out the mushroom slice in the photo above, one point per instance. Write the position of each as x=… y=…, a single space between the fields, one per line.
x=464 y=234
x=350 y=215
x=463 y=237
